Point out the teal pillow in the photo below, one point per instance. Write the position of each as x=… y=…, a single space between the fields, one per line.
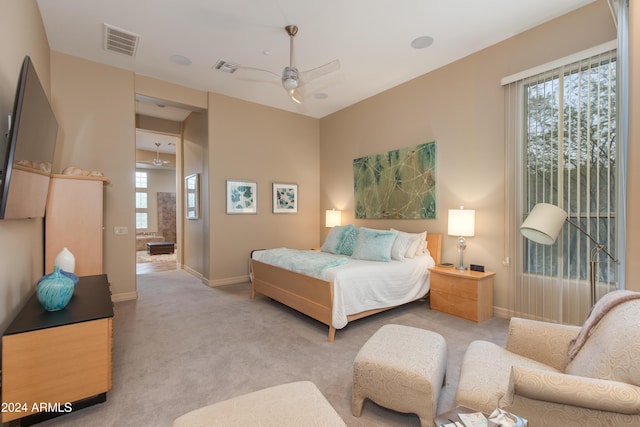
x=334 y=239
x=374 y=245
x=349 y=242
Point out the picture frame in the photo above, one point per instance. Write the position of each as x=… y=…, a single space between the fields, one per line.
x=192 y=196
x=242 y=197
x=285 y=198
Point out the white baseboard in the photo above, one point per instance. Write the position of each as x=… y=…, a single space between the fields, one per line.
x=124 y=296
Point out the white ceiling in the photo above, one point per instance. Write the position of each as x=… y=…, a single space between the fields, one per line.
x=371 y=39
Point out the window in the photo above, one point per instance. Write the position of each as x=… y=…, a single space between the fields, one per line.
x=567 y=150
x=142 y=214
x=141 y=179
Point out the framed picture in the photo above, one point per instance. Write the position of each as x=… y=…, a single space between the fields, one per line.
x=192 y=198
x=285 y=198
x=242 y=197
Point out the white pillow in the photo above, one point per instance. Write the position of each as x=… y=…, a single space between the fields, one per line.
x=401 y=245
x=418 y=246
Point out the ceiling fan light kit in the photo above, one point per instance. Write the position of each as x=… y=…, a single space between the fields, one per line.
x=290 y=78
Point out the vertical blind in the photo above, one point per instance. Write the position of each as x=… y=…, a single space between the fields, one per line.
x=562 y=139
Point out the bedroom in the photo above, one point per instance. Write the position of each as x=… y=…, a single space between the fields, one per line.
x=477 y=178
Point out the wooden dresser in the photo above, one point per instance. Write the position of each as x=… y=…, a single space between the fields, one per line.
x=55 y=362
x=74 y=220
x=467 y=294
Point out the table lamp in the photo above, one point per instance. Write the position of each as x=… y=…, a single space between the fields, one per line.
x=462 y=223
x=333 y=218
x=543 y=226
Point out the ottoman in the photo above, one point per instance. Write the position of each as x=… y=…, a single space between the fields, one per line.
x=159 y=248
x=298 y=404
x=401 y=368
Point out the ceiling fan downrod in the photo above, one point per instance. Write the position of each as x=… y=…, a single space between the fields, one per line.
x=290 y=74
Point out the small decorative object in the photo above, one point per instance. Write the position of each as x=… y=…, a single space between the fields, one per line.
x=71 y=276
x=55 y=290
x=65 y=261
x=285 y=198
x=242 y=197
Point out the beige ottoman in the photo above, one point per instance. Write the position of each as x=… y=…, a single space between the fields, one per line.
x=294 y=404
x=401 y=368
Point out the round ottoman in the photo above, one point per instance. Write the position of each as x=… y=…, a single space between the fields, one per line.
x=401 y=368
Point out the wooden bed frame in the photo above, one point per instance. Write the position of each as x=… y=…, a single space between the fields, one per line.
x=309 y=295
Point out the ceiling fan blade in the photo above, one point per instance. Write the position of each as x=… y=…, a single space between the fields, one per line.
x=296 y=95
x=320 y=71
x=247 y=70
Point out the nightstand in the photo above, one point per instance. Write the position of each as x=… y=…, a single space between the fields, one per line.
x=467 y=294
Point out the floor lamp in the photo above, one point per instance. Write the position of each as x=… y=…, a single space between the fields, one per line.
x=543 y=226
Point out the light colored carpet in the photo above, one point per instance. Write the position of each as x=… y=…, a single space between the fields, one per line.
x=183 y=345
x=143 y=257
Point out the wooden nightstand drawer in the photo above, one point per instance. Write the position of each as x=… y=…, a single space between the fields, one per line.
x=466 y=288
x=463 y=307
x=466 y=294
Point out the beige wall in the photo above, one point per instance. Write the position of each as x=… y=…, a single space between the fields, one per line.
x=257 y=143
x=461 y=107
x=195 y=149
x=21 y=251
x=97 y=123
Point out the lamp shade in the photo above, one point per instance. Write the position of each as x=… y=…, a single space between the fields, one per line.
x=333 y=218
x=543 y=223
x=462 y=222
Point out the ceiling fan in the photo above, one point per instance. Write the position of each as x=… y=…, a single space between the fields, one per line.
x=156 y=161
x=291 y=78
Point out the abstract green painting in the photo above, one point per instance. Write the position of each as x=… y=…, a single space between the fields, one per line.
x=399 y=184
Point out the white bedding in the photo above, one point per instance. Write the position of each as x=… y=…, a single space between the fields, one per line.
x=361 y=285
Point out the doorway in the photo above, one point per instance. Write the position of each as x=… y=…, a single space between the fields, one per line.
x=176 y=138
x=156 y=202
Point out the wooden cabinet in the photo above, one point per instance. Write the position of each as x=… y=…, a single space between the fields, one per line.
x=61 y=359
x=467 y=294
x=73 y=219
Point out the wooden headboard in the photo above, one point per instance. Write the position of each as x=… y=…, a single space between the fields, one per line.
x=435 y=246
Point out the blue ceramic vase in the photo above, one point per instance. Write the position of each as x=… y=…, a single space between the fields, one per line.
x=55 y=290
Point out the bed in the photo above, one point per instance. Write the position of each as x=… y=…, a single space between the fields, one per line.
x=327 y=299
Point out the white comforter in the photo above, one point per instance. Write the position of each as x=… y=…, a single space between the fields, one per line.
x=362 y=285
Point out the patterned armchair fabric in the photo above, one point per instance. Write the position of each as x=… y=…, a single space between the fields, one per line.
x=534 y=377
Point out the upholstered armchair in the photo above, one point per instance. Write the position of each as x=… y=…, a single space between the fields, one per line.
x=560 y=375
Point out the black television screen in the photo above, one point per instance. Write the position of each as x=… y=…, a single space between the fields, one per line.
x=28 y=150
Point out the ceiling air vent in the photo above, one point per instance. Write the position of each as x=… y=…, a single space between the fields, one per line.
x=226 y=67
x=119 y=40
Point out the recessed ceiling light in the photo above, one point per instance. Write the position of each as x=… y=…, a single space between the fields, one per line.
x=422 y=42
x=320 y=95
x=180 y=60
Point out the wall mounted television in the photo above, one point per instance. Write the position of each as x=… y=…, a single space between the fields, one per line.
x=27 y=150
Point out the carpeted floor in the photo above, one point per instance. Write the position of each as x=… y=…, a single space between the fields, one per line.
x=183 y=345
x=144 y=257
